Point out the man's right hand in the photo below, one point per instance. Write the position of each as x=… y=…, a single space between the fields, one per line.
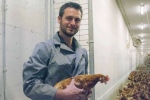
x=71 y=93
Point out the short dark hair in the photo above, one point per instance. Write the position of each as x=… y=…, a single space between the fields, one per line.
x=72 y=5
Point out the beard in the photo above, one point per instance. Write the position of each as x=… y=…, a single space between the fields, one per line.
x=67 y=33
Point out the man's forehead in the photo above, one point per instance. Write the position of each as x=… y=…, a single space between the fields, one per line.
x=72 y=11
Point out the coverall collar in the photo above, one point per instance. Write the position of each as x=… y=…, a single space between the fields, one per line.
x=78 y=49
x=59 y=41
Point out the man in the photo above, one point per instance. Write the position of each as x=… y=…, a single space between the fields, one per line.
x=56 y=59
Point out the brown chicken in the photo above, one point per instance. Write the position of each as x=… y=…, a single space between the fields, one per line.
x=83 y=81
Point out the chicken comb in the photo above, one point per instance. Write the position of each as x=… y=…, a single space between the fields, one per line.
x=107 y=78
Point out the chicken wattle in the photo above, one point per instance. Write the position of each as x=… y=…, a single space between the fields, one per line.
x=83 y=81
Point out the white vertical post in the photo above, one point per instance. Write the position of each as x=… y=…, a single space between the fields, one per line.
x=4 y=48
x=51 y=18
x=91 y=42
x=46 y=20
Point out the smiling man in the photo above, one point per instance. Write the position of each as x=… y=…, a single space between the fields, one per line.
x=69 y=19
x=56 y=59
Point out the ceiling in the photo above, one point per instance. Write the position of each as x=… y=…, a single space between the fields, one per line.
x=131 y=11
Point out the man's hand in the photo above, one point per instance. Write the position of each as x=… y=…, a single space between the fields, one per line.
x=75 y=93
x=72 y=93
x=89 y=93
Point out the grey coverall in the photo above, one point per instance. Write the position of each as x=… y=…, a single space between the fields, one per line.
x=51 y=62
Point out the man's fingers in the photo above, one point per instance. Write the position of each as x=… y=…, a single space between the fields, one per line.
x=84 y=93
x=89 y=95
x=90 y=91
x=72 y=82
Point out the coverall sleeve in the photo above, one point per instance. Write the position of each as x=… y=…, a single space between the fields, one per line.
x=34 y=73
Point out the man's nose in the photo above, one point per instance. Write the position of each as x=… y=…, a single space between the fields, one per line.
x=73 y=22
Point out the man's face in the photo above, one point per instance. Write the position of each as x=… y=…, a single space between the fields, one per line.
x=70 y=21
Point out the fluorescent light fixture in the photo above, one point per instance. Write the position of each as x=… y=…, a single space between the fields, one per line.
x=141 y=53
x=142 y=26
x=142 y=9
x=141 y=34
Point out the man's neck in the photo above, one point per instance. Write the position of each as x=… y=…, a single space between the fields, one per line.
x=67 y=40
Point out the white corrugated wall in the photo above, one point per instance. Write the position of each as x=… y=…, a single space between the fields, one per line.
x=25 y=26
x=111 y=48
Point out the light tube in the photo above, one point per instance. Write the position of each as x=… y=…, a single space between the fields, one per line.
x=142 y=9
x=142 y=26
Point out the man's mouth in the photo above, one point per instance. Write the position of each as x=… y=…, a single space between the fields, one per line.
x=71 y=29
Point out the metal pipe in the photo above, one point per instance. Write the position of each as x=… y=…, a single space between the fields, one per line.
x=46 y=20
x=52 y=18
x=91 y=42
x=4 y=47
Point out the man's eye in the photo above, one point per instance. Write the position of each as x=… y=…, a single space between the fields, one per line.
x=69 y=18
x=77 y=20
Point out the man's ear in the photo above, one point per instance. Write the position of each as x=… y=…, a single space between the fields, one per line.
x=58 y=19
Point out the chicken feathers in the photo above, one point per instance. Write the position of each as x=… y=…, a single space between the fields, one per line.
x=83 y=81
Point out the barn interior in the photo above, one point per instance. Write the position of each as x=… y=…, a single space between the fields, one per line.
x=116 y=34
